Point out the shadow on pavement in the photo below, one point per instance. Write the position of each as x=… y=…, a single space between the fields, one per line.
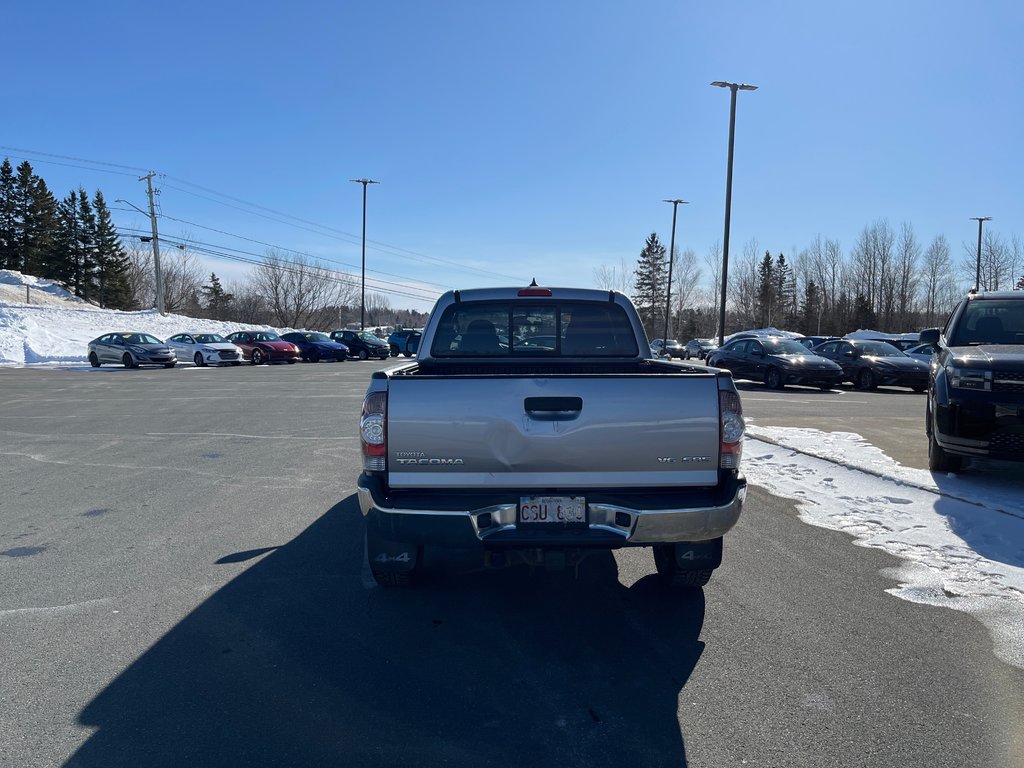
x=297 y=662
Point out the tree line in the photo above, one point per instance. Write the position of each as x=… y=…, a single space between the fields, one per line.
x=75 y=242
x=72 y=240
x=889 y=281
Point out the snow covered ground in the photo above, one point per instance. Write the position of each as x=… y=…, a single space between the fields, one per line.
x=960 y=538
x=56 y=327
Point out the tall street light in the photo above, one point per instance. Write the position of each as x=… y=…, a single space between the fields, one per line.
x=362 y=299
x=671 y=259
x=977 y=272
x=733 y=87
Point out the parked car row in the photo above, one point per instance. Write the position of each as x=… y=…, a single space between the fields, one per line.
x=780 y=361
x=133 y=349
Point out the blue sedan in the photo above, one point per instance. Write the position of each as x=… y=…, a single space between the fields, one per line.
x=314 y=346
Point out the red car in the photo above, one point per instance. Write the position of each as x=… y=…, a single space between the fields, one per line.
x=265 y=347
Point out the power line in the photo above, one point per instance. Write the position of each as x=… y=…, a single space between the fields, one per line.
x=292 y=250
x=255 y=260
x=132 y=168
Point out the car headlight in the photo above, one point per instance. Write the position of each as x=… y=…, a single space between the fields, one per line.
x=969 y=378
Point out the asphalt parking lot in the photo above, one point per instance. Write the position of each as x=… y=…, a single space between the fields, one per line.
x=184 y=584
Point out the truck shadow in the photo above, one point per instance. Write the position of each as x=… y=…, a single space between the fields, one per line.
x=298 y=661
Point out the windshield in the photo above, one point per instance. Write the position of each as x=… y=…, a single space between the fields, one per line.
x=140 y=338
x=879 y=349
x=316 y=336
x=990 y=321
x=209 y=338
x=265 y=336
x=787 y=347
x=367 y=336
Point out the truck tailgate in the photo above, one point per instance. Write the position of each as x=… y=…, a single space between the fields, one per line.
x=560 y=432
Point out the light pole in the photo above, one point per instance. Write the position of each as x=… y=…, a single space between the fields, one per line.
x=362 y=292
x=671 y=259
x=159 y=286
x=977 y=272
x=733 y=87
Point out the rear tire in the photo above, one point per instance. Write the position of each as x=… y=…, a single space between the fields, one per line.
x=93 y=360
x=672 y=575
x=866 y=380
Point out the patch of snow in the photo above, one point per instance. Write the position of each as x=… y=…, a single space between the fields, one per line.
x=961 y=539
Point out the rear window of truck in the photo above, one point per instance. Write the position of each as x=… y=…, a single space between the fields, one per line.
x=529 y=329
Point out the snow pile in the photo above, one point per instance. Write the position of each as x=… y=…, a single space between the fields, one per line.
x=862 y=333
x=13 y=286
x=31 y=334
x=961 y=538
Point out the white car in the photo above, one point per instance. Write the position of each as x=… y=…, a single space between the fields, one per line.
x=205 y=349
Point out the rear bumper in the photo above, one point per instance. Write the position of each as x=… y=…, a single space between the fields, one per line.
x=472 y=518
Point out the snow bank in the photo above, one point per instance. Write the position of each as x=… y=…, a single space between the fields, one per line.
x=40 y=290
x=31 y=334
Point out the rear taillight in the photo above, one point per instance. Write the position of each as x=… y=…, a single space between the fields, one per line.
x=732 y=428
x=373 y=432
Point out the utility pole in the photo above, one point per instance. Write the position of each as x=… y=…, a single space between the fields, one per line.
x=156 y=244
x=362 y=290
x=671 y=260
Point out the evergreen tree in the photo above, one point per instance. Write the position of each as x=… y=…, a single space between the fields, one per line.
x=218 y=301
x=786 y=312
x=650 y=285
x=111 y=260
x=8 y=248
x=811 y=310
x=863 y=313
x=86 y=253
x=65 y=264
x=1020 y=284
x=765 y=291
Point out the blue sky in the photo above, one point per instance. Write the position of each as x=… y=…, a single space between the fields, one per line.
x=526 y=139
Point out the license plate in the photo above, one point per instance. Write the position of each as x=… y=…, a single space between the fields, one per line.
x=552 y=509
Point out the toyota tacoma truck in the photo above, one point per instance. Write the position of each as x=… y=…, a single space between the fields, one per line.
x=535 y=426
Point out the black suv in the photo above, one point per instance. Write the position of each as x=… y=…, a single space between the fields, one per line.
x=976 y=390
x=362 y=344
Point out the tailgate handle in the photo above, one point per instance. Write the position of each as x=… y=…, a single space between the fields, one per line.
x=553 y=407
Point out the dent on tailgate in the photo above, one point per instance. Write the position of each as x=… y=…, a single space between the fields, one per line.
x=627 y=431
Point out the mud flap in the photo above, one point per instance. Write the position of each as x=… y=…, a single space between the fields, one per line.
x=698 y=555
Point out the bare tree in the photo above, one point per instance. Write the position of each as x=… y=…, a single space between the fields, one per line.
x=183 y=280
x=685 y=279
x=618 y=278
x=744 y=285
x=141 y=277
x=300 y=292
x=939 y=285
x=908 y=253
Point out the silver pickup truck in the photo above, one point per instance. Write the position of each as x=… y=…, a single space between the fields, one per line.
x=535 y=426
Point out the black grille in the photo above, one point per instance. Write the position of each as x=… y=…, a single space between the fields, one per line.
x=1008 y=381
x=1008 y=443
x=227 y=354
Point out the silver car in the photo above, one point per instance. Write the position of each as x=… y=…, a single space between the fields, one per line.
x=131 y=350
x=205 y=349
